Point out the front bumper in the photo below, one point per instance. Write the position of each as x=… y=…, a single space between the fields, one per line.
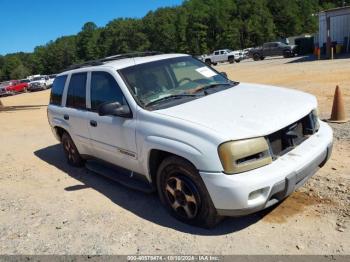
x=249 y=192
x=36 y=87
x=4 y=92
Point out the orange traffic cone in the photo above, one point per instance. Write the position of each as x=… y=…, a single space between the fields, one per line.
x=338 y=109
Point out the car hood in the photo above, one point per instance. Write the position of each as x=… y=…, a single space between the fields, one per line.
x=245 y=110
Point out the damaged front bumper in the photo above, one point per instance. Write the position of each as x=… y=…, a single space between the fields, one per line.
x=249 y=192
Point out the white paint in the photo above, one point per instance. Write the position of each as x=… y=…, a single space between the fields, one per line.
x=206 y=72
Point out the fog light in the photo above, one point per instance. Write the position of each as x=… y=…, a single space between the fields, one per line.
x=258 y=193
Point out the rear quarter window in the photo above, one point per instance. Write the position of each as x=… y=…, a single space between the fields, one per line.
x=57 y=90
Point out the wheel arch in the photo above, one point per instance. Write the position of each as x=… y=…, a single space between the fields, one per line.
x=156 y=157
x=59 y=131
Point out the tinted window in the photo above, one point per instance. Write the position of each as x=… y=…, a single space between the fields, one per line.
x=104 y=89
x=57 y=90
x=216 y=53
x=77 y=91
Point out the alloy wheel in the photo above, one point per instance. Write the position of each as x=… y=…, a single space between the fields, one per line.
x=182 y=196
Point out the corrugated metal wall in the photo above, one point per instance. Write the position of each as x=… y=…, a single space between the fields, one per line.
x=339 y=27
x=322 y=29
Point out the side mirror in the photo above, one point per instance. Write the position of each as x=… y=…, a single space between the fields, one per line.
x=114 y=109
x=223 y=74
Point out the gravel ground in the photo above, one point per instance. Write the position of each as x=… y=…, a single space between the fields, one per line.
x=47 y=207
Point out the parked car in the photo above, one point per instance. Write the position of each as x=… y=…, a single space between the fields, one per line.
x=39 y=83
x=51 y=79
x=220 y=56
x=12 y=87
x=273 y=49
x=209 y=146
x=18 y=85
x=3 y=89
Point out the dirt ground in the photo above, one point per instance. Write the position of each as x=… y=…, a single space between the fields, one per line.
x=47 y=207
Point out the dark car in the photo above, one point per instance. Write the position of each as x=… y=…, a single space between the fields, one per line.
x=273 y=49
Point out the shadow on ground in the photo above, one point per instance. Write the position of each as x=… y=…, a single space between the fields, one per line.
x=146 y=206
x=19 y=108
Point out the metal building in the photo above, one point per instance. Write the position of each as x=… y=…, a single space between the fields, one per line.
x=334 y=26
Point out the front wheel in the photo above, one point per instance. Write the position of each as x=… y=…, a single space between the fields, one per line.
x=208 y=62
x=71 y=151
x=183 y=193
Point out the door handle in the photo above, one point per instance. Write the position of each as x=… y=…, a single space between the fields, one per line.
x=93 y=123
x=66 y=117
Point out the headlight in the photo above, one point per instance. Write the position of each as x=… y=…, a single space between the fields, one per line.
x=243 y=155
x=314 y=114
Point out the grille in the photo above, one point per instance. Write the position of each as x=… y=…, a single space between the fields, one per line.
x=286 y=139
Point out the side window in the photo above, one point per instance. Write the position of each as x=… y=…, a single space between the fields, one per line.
x=76 y=96
x=216 y=53
x=57 y=90
x=104 y=89
x=222 y=52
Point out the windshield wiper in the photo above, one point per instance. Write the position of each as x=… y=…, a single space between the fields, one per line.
x=204 y=88
x=171 y=97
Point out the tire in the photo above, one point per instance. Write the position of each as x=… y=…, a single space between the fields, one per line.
x=215 y=64
x=231 y=60
x=208 y=61
x=287 y=54
x=238 y=60
x=71 y=151
x=183 y=193
x=262 y=57
x=256 y=57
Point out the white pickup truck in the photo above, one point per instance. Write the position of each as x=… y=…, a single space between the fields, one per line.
x=221 y=56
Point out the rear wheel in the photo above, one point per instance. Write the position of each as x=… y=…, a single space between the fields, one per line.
x=256 y=57
x=231 y=60
x=208 y=61
x=287 y=54
x=183 y=193
x=71 y=151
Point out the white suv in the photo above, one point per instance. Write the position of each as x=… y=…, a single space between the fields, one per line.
x=211 y=147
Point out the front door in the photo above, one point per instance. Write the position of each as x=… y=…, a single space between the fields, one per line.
x=112 y=137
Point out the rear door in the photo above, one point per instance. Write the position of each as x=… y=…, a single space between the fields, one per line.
x=216 y=57
x=75 y=113
x=112 y=137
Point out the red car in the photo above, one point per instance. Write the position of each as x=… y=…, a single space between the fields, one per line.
x=16 y=86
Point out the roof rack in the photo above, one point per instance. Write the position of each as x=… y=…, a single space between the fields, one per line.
x=112 y=58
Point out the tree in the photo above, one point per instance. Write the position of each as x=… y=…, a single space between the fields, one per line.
x=87 y=42
x=19 y=72
x=195 y=27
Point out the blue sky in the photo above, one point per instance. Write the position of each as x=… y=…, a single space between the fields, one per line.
x=25 y=24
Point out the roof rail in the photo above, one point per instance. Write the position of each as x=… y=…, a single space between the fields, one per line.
x=101 y=61
x=129 y=55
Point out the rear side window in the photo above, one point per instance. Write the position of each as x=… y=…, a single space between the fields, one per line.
x=76 y=96
x=57 y=90
x=104 y=89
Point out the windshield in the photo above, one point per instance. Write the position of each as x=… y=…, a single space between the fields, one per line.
x=174 y=77
x=38 y=78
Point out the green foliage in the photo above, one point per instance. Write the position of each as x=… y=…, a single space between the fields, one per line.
x=195 y=27
x=19 y=72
